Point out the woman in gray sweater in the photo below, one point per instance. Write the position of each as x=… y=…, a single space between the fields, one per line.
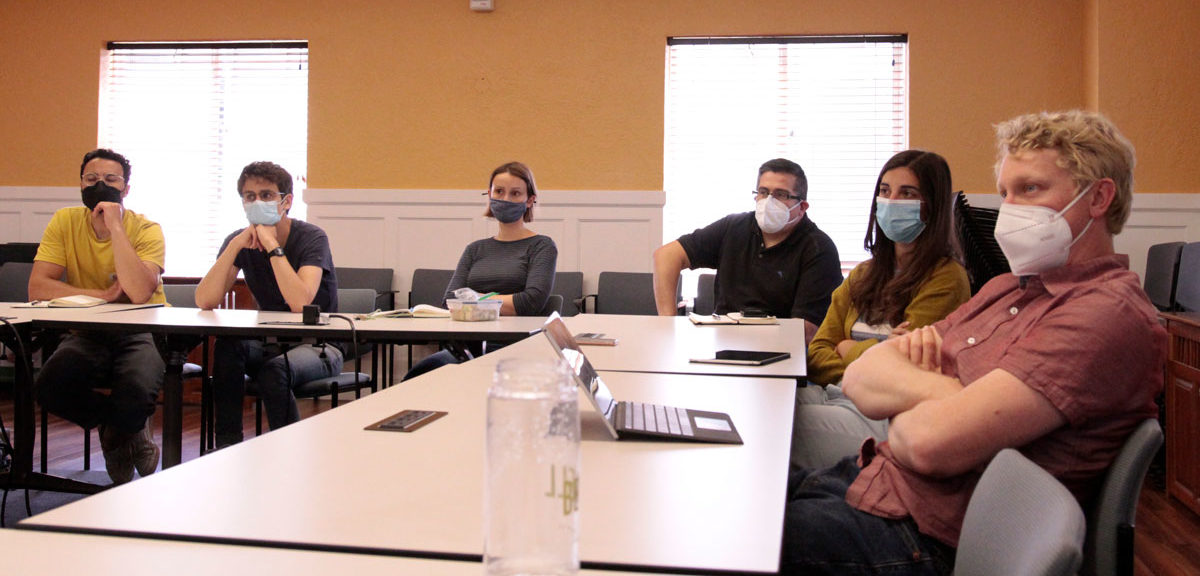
x=517 y=263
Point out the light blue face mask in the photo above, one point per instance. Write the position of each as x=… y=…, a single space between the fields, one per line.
x=262 y=213
x=899 y=219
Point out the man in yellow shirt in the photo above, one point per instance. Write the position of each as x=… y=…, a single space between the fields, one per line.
x=106 y=251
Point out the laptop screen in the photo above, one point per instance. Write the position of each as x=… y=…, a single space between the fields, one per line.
x=585 y=375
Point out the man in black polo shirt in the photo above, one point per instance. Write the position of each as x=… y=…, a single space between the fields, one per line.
x=773 y=259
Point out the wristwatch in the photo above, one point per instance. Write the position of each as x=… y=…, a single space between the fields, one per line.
x=278 y=251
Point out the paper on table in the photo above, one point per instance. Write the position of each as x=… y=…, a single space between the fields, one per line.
x=76 y=301
x=731 y=318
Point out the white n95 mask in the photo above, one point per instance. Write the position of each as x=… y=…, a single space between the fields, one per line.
x=1035 y=239
x=771 y=214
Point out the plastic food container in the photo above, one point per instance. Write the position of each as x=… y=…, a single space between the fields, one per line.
x=474 y=311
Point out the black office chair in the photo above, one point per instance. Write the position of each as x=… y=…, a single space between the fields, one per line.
x=14 y=281
x=428 y=287
x=569 y=285
x=1109 y=547
x=350 y=301
x=625 y=293
x=18 y=252
x=1187 y=286
x=554 y=303
x=380 y=280
x=982 y=256
x=706 y=294
x=1162 y=271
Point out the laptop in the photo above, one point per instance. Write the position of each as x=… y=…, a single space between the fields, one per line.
x=626 y=420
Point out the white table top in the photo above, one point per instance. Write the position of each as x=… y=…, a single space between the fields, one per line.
x=325 y=482
x=252 y=322
x=30 y=552
x=667 y=343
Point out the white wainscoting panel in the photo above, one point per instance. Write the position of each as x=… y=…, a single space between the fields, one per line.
x=595 y=230
x=26 y=210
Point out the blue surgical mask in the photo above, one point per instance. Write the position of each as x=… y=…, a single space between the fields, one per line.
x=505 y=211
x=264 y=213
x=899 y=219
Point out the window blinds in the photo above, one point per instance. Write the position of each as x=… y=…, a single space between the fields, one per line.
x=190 y=116
x=838 y=106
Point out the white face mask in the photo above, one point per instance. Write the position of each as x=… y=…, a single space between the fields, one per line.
x=772 y=215
x=1035 y=239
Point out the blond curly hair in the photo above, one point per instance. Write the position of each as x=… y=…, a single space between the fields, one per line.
x=1089 y=146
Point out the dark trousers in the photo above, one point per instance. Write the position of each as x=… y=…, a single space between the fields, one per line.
x=275 y=370
x=128 y=364
x=822 y=534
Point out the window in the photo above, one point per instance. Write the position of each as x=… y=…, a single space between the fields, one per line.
x=189 y=117
x=838 y=106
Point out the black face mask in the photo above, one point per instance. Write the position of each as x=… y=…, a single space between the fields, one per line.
x=99 y=192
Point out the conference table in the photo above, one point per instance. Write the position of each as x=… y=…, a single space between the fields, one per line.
x=183 y=328
x=328 y=484
x=28 y=552
x=21 y=320
x=666 y=344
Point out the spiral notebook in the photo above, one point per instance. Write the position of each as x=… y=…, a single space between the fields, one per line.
x=626 y=420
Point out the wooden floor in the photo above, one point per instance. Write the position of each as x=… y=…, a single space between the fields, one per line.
x=1168 y=534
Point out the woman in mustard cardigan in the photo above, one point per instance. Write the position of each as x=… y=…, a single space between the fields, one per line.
x=912 y=279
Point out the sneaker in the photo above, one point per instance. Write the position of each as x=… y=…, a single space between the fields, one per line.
x=145 y=451
x=118 y=454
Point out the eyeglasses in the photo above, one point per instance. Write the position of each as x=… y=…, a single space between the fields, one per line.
x=91 y=178
x=779 y=194
x=265 y=196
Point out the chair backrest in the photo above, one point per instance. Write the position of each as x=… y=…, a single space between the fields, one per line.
x=18 y=252
x=1162 y=269
x=569 y=285
x=982 y=256
x=553 y=304
x=706 y=294
x=1187 y=285
x=356 y=300
x=14 y=281
x=1021 y=520
x=1110 y=537
x=626 y=293
x=377 y=279
x=180 y=295
x=429 y=286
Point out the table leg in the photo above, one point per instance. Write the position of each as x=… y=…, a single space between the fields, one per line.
x=24 y=430
x=172 y=435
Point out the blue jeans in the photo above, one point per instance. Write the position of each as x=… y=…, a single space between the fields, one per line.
x=274 y=373
x=822 y=534
x=129 y=364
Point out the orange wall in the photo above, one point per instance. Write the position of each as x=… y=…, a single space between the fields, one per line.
x=426 y=94
x=1149 y=84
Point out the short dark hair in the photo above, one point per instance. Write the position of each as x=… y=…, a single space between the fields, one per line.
x=520 y=171
x=106 y=154
x=785 y=166
x=269 y=171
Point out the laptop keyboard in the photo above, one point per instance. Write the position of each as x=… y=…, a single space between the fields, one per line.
x=657 y=418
